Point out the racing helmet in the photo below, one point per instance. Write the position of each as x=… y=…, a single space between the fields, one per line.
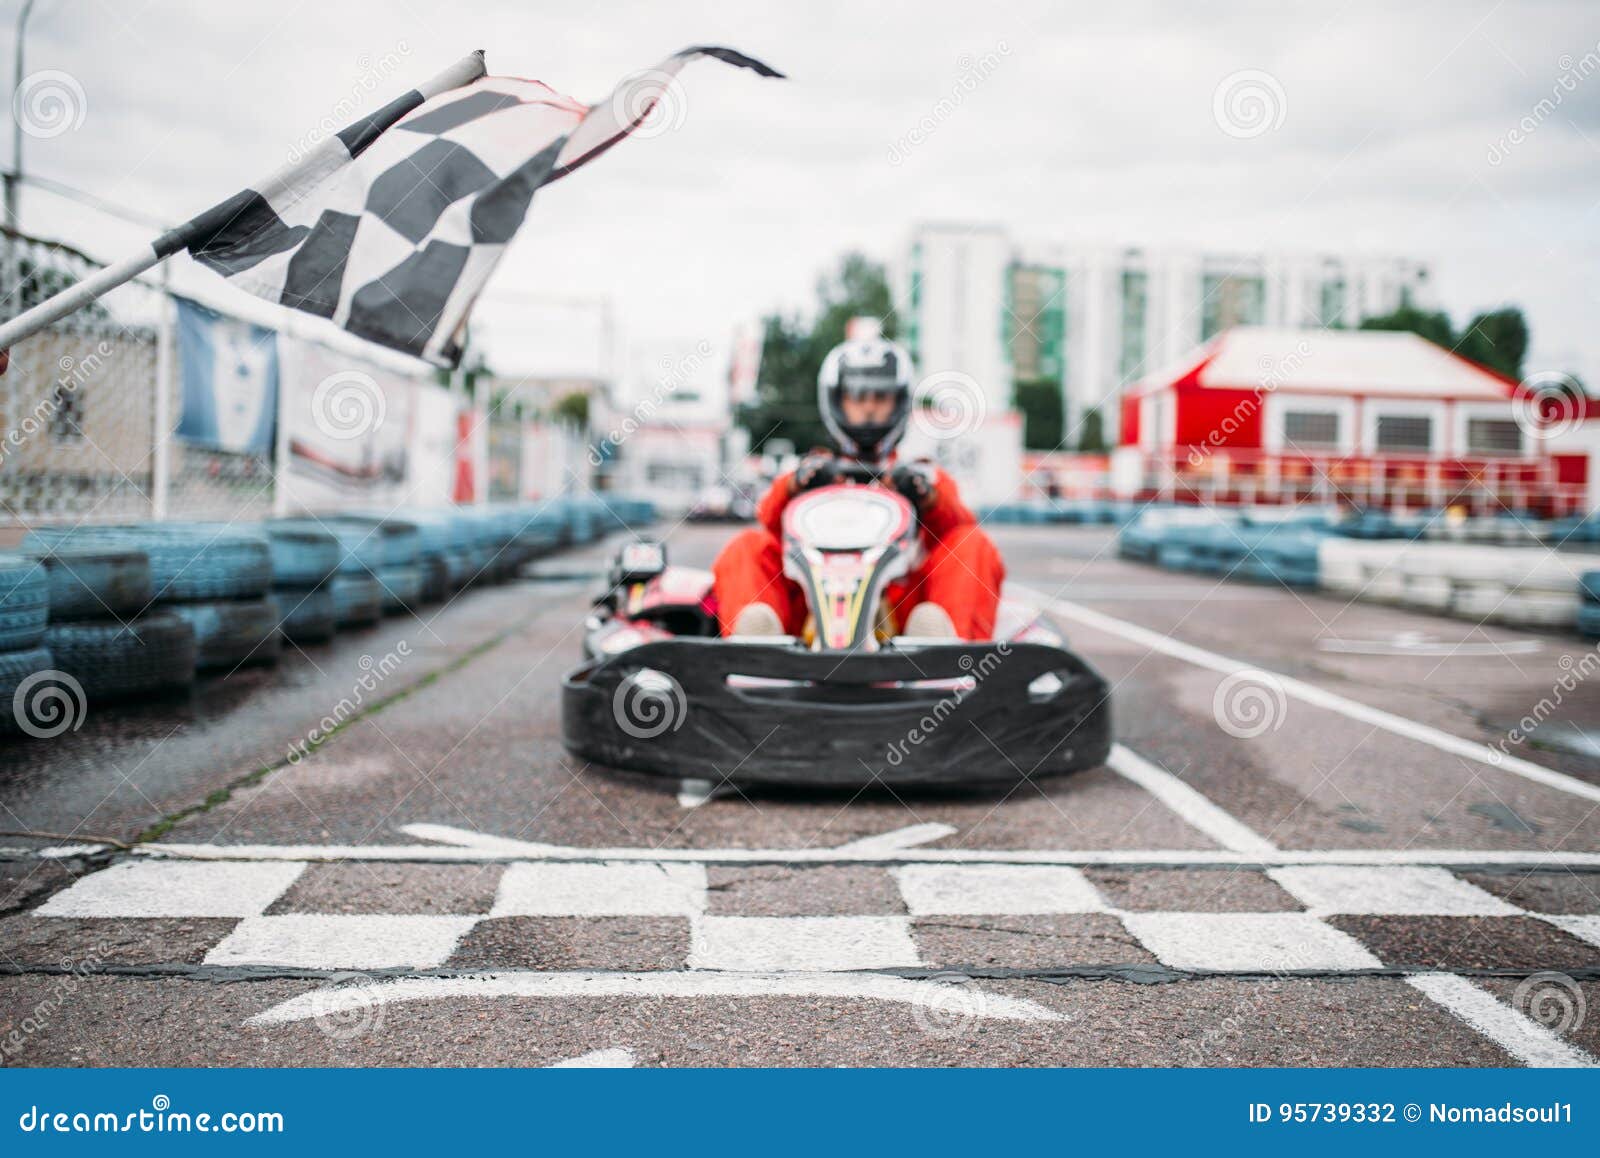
x=865 y=366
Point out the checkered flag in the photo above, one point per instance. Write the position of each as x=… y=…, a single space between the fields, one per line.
x=391 y=228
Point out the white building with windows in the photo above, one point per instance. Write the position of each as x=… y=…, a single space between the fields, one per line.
x=1095 y=318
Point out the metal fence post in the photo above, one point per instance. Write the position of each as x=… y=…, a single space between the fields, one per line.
x=161 y=411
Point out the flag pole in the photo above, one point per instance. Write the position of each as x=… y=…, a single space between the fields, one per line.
x=464 y=71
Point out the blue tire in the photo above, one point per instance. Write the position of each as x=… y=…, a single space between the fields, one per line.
x=357 y=600
x=95 y=581
x=402 y=588
x=231 y=632
x=306 y=614
x=24 y=602
x=155 y=652
x=188 y=561
x=38 y=706
x=304 y=553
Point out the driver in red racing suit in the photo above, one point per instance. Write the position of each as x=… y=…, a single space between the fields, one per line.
x=864 y=390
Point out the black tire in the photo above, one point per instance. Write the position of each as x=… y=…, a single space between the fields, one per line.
x=188 y=561
x=231 y=632
x=93 y=582
x=357 y=600
x=154 y=652
x=435 y=578
x=24 y=602
x=39 y=707
x=303 y=552
x=306 y=615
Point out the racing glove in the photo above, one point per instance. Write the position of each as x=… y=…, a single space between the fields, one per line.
x=816 y=469
x=916 y=481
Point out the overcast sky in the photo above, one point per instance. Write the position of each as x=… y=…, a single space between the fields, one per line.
x=1091 y=122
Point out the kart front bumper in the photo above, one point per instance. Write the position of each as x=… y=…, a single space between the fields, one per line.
x=754 y=713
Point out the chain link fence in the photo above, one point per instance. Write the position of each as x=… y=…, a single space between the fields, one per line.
x=89 y=406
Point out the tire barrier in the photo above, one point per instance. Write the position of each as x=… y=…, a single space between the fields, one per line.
x=28 y=716
x=1589 y=604
x=24 y=602
x=401 y=587
x=95 y=582
x=306 y=614
x=152 y=653
x=357 y=599
x=230 y=633
x=304 y=552
x=1515 y=586
x=188 y=561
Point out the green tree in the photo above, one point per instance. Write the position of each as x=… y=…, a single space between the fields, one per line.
x=574 y=408
x=1042 y=417
x=1092 y=434
x=793 y=348
x=1496 y=339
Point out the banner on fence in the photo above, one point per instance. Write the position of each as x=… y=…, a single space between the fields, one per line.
x=230 y=381
x=431 y=457
x=348 y=425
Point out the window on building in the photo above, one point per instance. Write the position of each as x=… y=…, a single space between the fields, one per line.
x=1230 y=300
x=1493 y=436
x=66 y=414
x=1404 y=432
x=1135 y=304
x=1330 y=309
x=1310 y=429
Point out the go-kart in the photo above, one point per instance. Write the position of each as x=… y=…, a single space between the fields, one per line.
x=847 y=703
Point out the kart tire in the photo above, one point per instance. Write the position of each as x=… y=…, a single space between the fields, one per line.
x=154 y=652
x=24 y=602
x=303 y=552
x=15 y=667
x=232 y=632
x=94 y=581
x=306 y=614
x=357 y=600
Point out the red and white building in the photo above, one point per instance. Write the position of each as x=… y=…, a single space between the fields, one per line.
x=1374 y=418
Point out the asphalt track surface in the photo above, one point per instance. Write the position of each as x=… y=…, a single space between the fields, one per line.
x=1313 y=846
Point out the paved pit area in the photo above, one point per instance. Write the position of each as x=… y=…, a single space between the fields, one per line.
x=1315 y=844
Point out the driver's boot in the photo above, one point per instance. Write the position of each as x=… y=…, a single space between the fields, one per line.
x=930 y=621
x=757 y=619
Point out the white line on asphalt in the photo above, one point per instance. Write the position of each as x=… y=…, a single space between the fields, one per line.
x=1520 y=1036
x=175 y=889
x=601 y=890
x=936 y=890
x=600 y=1059
x=869 y=986
x=1394 y=890
x=1332 y=701
x=801 y=944
x=900 y=838
x=535 y=854
x=1195 y=809
x=692 y=793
